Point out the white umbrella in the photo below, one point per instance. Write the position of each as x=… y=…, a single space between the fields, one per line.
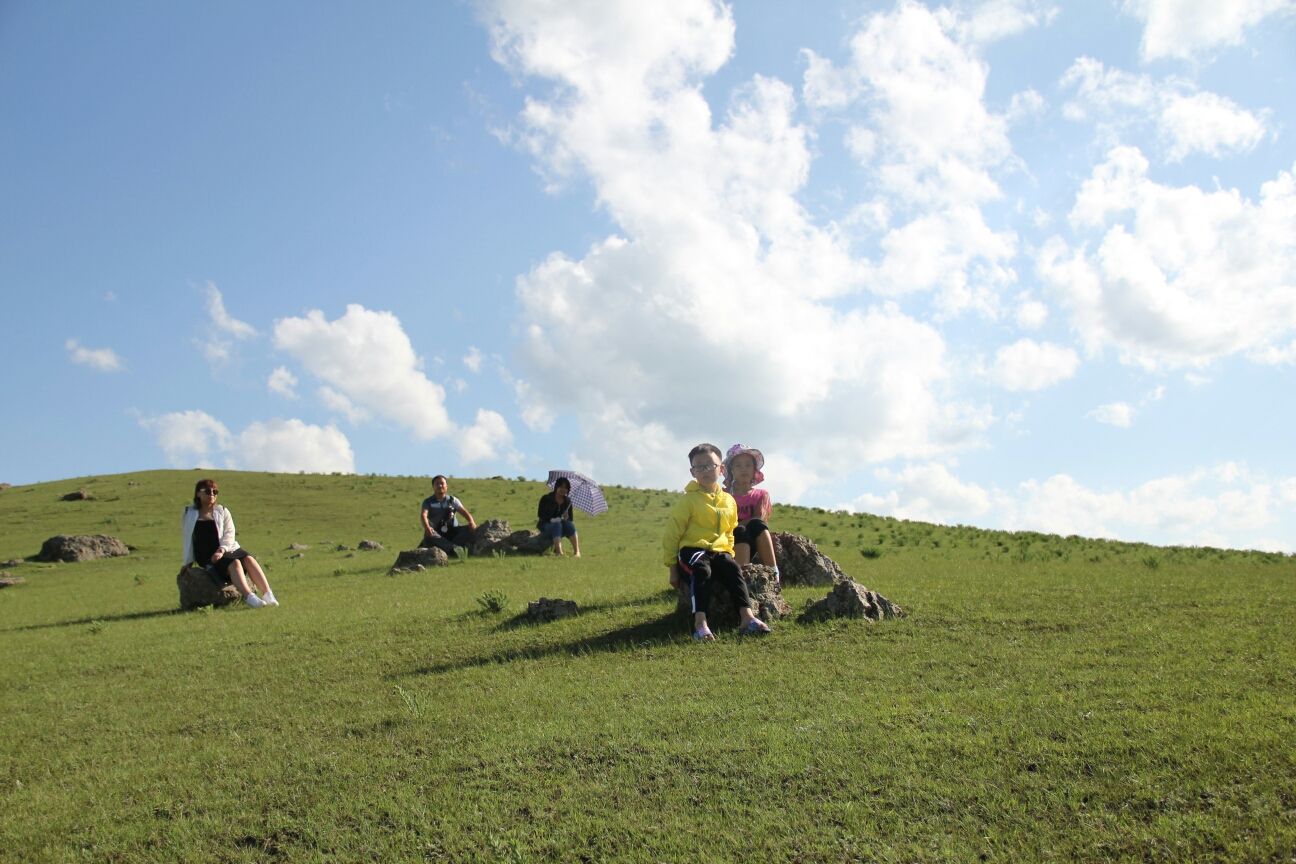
x=585 y=493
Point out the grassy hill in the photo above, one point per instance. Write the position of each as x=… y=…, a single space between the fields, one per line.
x=1047 y=698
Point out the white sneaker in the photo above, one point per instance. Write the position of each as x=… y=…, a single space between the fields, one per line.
x=254 y=601
x=268 y=599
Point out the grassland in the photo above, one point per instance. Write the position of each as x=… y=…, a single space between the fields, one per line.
x=1047 y=699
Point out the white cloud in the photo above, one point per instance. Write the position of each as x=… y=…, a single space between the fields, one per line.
x=283 y=382
x=1182 y=28
x=339 y=404
x=1119 y=414
x=488 y=438
x=196 y=439
x=291 y=445
x=103 y=359
x=1177 y=276
x=1224 y=505
x=709 y=223
x=221 y=319
x=992 y=20
x=928 y=145
x=473 y=360
x=189 y=438
x=1186 y=119
x=1031 y=314
x=1030 y=365
x=366 y=357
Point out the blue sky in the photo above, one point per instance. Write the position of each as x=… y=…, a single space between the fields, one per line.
x=1015 y=264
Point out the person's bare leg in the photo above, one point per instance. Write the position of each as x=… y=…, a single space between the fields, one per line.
x=765 y=549
x=239 y=578
x=575 y=538
x=257 y=574
x=742 y=553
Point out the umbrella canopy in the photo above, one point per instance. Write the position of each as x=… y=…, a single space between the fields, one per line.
x=585 y=493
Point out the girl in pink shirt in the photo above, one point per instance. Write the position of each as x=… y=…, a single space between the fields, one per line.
x=742 y=474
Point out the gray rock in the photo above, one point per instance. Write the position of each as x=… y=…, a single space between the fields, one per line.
x=849 y=599
x=78 y=495
x=81 y=547
x=767 y=601
x=801 y=563
x=412 y=559
x=298 y=547
x=8 y=580
x=198 y=588
x=550 y=609
x=369 y=546
x=4 y=486
x=12 y=562
x=494 y=535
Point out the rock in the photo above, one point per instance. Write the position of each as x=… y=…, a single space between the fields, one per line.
x=4 y=486
x=767 y=601
x=341 y=547
x=412 y=559
x=81 y=547
x=198 y=588
x=12 y=562
x=78 y=495
x=801 y=563
x=298 y=555
x=849 y=599
x=369 y=546
x=550 y=609
x=8 y=580
x=298 y=547
x=494 y=535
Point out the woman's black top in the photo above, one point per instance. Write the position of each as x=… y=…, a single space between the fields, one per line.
x=550 y=508
x=206 y=540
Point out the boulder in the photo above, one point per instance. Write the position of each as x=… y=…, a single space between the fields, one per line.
x=8 y=580
x=298 y=547
x=78 y=495
x=801 y=563
x=369 y=546
x=4 y=486
x=494 y=535
x=12 y=562
x=550 y=609
x=199 y=588
x=849 y=599
x=412 y=559
x=81 y=547
x=767 y=601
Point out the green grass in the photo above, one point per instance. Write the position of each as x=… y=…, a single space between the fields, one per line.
x=1048 y=698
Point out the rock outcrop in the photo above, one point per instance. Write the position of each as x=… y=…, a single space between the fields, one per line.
x=419 y=559
x=549 y=609
x=81 y=547
x=767 y=601
x=199 y=588
x=8 y=580
x=78 y=495
x=369 y=546
x=849 y=599
x=801 y=563
x=494 y=535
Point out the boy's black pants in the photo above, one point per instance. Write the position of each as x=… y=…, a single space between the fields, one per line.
x=701 y=566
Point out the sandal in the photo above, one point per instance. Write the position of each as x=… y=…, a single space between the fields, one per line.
x=704 y=634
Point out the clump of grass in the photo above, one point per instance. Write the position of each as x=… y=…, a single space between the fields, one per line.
x=410 y=701
x=1151 y=562
x=871 y=552
x=493 y=602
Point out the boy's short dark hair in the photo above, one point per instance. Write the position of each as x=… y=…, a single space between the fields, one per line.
x=705 y=448
x=440 y=477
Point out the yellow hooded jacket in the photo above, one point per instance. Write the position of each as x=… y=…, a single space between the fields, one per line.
x=704 y=520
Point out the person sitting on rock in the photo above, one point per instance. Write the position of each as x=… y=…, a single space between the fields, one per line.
x=742 y=474
x=698 y=543
x=554 y=517
x=441 y=528
x=207 y=540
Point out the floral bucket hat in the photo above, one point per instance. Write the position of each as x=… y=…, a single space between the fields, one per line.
x=738 y=450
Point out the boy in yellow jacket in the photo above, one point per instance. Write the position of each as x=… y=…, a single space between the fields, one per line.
x=698 y=544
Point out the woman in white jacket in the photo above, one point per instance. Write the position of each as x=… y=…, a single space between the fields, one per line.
x=207 y=537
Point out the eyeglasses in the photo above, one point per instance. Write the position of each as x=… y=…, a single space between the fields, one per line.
x=705 y=469
x=208 y=492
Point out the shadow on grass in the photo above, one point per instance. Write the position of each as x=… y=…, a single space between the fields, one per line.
x=521 y=620
x=657 y=631
x=97 y=619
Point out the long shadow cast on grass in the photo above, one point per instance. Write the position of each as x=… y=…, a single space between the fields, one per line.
x=97 y=619
x=657 y=631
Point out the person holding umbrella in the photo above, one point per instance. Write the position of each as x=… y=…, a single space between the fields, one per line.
x=554 y=517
